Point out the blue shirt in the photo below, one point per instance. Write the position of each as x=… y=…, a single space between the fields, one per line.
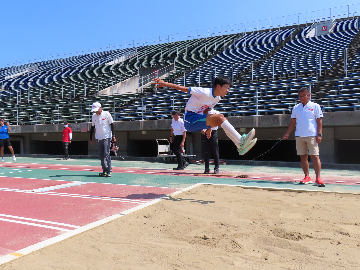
x=4 y=132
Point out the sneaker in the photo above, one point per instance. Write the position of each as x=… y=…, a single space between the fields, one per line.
x=2 y=159
x=216 y=171
x=207 y=171
x=178 y=168
x=186 y=164
x=246 y=139
x=305 y=181
x=107 y=174
x=319 y=182
x=14 y=158
x=243 y=151
x=103 y=174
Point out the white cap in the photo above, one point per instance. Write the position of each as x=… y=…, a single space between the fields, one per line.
x=96 y=106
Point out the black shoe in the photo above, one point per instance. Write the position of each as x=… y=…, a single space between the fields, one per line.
x=103 y=174
x=216 y=171
x=179 y=168
x=207 y=171
x=108 y=175
x=186 y=164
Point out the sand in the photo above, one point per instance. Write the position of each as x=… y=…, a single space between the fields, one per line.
x=218 y=227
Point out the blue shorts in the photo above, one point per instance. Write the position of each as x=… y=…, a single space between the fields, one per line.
x=195 y=122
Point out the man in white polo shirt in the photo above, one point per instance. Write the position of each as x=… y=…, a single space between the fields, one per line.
x=307 y=117
x=177 y=138
x=102 y=122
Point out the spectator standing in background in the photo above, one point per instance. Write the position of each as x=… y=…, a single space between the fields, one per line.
x=66 y=140
x=5 y=139
x=307 y=117
x=177 y=137
x=210 y=145
x=103 y=124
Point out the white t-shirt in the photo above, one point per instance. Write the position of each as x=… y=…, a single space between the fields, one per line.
x=102 y=125
x=306 y=116
x=201 y=99
x=178 y=126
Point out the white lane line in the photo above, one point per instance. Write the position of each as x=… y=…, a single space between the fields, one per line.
x=72 y=184
x=85 y=196
x=34 y=224
x=56 y=239
x=40 y=221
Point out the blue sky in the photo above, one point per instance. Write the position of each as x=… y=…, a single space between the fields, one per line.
x=40 y=29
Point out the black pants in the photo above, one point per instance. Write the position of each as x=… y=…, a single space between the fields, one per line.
x=211 y=146
x=177 y=150
x=66 y=149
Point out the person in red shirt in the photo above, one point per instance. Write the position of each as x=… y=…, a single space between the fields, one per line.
x=66 y=140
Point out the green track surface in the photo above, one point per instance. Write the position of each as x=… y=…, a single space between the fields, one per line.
x=157 y=165
x=170 y=180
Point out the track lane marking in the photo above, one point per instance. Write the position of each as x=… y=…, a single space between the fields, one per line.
x=34 y=224
x=40 y=221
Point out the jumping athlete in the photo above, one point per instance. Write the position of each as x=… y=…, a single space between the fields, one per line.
x=206 y=98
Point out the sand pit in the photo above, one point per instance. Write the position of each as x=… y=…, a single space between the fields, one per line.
x=218 y=227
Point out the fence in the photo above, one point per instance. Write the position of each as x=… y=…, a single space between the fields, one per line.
x=144 y=80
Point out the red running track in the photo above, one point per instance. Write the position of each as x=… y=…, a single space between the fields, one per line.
x=29 y=216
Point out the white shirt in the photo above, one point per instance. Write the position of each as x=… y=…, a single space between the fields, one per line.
x=178 y=126
x=201 y=99
x=102 y=125
x=306 y=116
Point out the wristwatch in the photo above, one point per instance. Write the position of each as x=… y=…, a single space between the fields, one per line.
x=320 y=134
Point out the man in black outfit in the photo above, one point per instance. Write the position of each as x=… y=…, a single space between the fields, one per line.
x=210 y=145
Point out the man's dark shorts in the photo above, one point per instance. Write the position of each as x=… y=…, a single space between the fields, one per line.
x=5 y=141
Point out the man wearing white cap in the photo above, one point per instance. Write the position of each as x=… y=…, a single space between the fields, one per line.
x=102 y=122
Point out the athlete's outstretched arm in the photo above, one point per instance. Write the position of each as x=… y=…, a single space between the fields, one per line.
x=161 y=83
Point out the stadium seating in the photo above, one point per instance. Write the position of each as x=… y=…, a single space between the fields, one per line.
x=52 y=91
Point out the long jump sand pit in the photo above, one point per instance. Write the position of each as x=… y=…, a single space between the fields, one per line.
x=218 y=227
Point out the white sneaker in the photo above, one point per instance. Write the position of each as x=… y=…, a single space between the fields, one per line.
x=243 y=151
x=14 y=158
x=246 y=139
x=2 y=159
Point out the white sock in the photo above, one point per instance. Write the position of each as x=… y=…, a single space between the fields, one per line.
x=231 y=133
